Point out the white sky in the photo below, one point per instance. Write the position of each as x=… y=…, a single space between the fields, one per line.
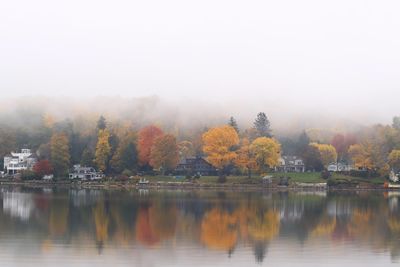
x=338 y=54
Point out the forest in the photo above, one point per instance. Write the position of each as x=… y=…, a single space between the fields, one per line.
x=121 y=146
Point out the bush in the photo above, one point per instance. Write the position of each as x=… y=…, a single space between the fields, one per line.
x=29 y=175
x=127 y=173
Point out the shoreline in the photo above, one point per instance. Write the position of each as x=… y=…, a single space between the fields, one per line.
x=128 y=185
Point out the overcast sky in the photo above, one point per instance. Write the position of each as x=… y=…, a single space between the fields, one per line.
x=342 y=53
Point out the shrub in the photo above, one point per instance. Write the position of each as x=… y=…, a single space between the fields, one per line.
x=29 y=175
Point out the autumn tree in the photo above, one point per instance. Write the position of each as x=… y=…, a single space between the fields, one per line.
x=394 y=159
x=338 y=142
x=266 y=152
x=245 y=158
x=262 y=125
x=59 y=152
x=164 y=153
x=361 y=155
x=43 y=167
x=103 y=150
x=146 y=138
x=232 y=122
x=186 y=149
x=218 y=145
x=327 y=153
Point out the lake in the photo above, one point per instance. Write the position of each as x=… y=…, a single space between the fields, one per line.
x=83 y=227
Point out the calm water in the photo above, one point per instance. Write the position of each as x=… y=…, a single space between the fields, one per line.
x=48 y=227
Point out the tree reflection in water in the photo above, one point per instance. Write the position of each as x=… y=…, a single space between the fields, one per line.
x=222 y=222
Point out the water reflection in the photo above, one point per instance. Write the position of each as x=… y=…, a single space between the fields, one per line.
x=219 y=225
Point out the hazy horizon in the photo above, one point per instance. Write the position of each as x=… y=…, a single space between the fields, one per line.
x=294 y=60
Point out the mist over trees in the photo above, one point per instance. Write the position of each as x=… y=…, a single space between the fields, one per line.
x=144 y=134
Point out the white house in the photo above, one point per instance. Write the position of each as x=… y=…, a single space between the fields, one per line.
x=291 y=164
x=339 y=167
x=85 y=173
x=17 y=162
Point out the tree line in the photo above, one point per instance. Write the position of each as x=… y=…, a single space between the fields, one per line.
x=117 y=148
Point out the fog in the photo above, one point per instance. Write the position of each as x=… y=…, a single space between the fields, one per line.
x=305 y=63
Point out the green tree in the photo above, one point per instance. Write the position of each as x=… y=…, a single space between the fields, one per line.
x=59 y=152
x=262 y=125
x=103 y=150
x=101 y=123
x=396 y=122
x=87 y=157
x=125 y=157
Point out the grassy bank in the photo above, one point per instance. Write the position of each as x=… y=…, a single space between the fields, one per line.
x=305 y=177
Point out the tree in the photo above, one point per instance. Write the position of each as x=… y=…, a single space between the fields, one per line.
x=327 y=153
x=396 y=123
x=164 y=153
x=87 y=158
x=339 y=143
x=43 y=167
x=312 y=159
x=218 y=145
x=103 y=150
x=266 y=152
x=125 y=158
x=262 y=125
x=146 y=139
x=186 y=149
x=245 y=158
x=101 y=123
x=232 y=122
x=59 y=152
x=394 y=159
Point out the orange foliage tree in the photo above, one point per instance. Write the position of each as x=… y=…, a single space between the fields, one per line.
x=164 y=153
x=146 y=140
x=218 y=144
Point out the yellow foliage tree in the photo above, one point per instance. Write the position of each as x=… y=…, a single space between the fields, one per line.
x=361 y=155
x=245 y=158
x=327 y=153
x=394 y=159
x=103 y=149
x=266 y=152
x=218 y=144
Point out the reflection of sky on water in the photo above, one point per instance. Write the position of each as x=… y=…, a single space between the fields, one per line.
x=178 y=228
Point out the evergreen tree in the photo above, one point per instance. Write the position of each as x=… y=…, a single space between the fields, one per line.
x=87 y=157
x=232 y=122
x=101 y=123
x=262 y=125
